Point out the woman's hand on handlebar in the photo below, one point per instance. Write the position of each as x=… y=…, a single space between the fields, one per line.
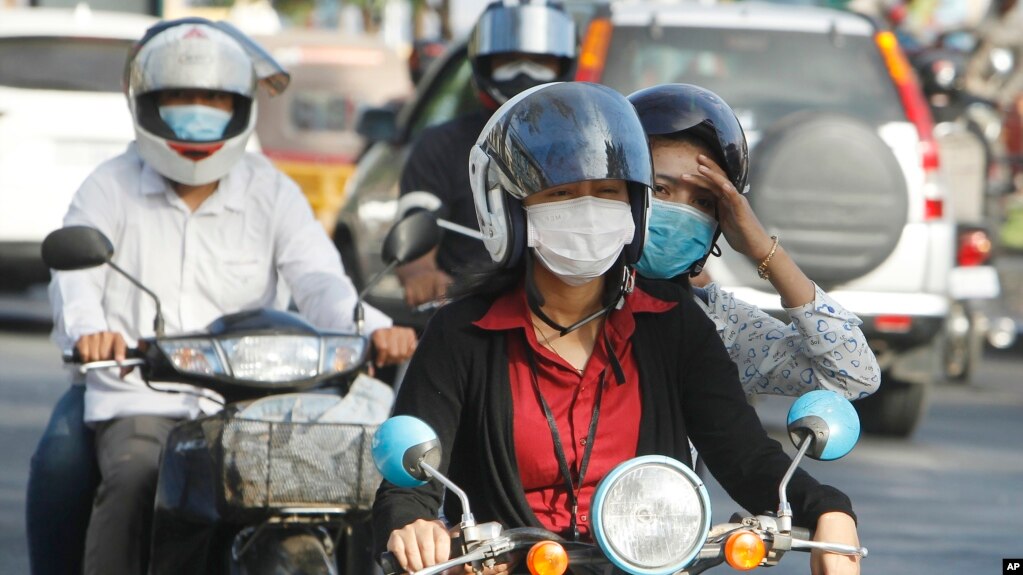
x=835 y=527
x=420 y=544
x=393 y=345
x=423 y=544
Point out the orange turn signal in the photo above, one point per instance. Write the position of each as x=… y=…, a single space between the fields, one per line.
x=547 y=558
x=744 y=550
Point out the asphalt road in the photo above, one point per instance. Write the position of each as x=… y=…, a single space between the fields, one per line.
x=946 y=501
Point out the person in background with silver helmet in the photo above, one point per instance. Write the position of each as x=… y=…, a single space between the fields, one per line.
x=700 y=172
x=211 y=230
x=553 y=367
x=513 y=46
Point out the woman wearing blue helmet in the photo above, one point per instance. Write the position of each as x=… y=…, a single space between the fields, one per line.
x=700 y=184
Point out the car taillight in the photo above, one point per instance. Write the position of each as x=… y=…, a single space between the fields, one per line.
x=917 y=111
x=974 y=248
x=594 y=51
x=893 y=323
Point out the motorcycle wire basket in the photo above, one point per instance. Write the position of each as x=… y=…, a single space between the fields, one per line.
x=265 y=465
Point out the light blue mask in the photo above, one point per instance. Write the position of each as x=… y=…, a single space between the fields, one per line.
x=195 y=123
x=677 y=237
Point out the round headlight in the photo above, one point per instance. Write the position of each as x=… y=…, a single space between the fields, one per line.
x=651 y=515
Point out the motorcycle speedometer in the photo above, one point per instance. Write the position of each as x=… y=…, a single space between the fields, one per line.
x=651 y=515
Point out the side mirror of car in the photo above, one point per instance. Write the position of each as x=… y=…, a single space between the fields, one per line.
x=378 y=124
x=76 y=248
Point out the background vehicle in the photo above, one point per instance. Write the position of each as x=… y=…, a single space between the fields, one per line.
x=309 y=130
x=62 y=113
x=845 y=167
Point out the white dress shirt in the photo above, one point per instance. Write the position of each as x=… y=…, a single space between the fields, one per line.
x=822 y=348
x=253 y=233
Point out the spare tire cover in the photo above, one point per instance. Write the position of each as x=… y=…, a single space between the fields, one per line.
x=832 y=190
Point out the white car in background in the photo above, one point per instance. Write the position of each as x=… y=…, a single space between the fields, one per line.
x=62 y=113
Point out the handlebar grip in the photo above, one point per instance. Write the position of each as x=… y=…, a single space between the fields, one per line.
x=389 y=563
x=802 y=533
x=76 y=357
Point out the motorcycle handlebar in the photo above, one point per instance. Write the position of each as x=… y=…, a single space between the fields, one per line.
x=76 y=357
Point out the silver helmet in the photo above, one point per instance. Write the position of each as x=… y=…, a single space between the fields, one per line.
x=526 y=27
x=196 y=54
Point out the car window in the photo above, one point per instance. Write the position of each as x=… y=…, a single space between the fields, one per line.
x=452 y=94
x=763 y=75
x=78 y=64
x=322 y=111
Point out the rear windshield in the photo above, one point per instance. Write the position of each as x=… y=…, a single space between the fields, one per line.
x=763 y=75
x=79 y=64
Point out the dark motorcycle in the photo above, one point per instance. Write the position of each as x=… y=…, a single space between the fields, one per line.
x=650 y=515
x=281 y=480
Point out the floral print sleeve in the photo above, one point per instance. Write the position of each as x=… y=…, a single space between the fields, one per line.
x=822 y=347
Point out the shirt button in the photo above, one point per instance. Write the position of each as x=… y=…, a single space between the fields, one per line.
x=582 y=441
x=583 y=518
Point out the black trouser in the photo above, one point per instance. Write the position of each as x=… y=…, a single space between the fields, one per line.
x=128 y=450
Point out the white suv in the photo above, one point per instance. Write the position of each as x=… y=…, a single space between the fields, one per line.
x=62 y=113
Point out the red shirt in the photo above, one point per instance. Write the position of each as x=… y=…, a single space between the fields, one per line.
x=571 y=398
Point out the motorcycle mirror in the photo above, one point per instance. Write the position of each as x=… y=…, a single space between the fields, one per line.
x=76 y=248
x=82 y=247
x=400 y=445
x=411 y=238
x=829 y=420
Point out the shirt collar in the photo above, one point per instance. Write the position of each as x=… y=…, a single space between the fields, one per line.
x=511 y=310
x=230 y=193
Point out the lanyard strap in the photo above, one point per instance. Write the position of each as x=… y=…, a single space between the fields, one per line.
x=591 y=435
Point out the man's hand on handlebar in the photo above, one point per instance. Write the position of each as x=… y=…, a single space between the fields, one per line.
x=423 y=280
x=103 y=345
x=393 y=345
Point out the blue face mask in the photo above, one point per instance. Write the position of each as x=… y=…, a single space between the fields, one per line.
x=195 y=123
x=677 y=237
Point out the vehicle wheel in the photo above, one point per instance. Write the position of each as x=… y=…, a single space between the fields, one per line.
x=959 y=345
x=894 y=409
x=833 y=191
x=287 y=552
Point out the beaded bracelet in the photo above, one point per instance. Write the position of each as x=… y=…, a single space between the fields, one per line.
x=762 y=268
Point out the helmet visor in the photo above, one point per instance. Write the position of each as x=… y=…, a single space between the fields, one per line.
x=524 y=28
x=568 y=132
x=671 y=108
x=217 y=56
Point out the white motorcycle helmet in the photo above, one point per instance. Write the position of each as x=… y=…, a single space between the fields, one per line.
x=196 y=54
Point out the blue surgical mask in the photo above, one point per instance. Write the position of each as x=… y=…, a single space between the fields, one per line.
x=677 y=237
x=195 y=123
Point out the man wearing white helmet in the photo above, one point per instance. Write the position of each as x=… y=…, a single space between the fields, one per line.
x=211 y=230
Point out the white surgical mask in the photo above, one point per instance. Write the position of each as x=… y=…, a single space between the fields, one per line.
x=512 y=69
x=580 y=239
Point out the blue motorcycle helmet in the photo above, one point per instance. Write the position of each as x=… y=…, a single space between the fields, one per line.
x=687 y=111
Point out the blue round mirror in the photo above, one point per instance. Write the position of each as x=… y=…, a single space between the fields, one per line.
x=400 y=445
x=829 y=419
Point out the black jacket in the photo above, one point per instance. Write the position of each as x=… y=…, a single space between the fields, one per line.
x=439 y=164
x=458 y=383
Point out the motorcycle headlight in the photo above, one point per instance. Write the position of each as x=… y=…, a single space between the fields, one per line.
x=197 y=356
x=342 y=353
x=651 y=515
x=273 y=358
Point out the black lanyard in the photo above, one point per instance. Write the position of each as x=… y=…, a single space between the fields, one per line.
x=572 y=488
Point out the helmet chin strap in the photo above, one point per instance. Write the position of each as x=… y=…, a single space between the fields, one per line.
x=614 y=296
